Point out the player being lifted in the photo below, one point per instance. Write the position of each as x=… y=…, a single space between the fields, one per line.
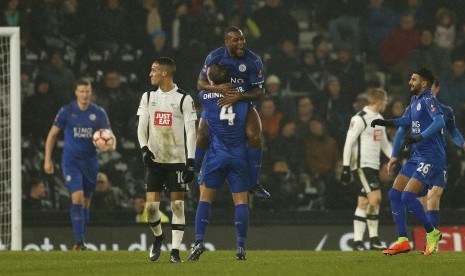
x=361 y=156
x=164 y=116
x=246 y=70
x=225 y=158
x=426 y=163
x=78 y=121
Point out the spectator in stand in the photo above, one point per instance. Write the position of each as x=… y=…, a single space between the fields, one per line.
x=35 y=198
x=118 y=100
x=376 y=22
x=429 y=55
x=38 y=111
x=309 y=76
x=270 y=119
x=445 y=32
x=275 y=23
x=336 y=111
x=107 y=197
x=62 y=78
x=322 y=50
x=12 y=14
x=288 y=146
x=283 y=62
x=453 y=86
x=274 y=91
x=421 y=13
x=397 y=46
x=342 y=19
x=349 y=72
x=305 y=112
x=322 y=156
x=459 y=49
x=158 y=47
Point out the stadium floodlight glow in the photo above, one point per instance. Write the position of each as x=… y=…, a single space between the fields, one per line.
x=10 y=140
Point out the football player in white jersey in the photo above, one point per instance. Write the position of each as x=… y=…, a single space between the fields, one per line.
x=164 y=116
x=361 y=157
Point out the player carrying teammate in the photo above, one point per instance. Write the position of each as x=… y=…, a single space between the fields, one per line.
x=361 y=156
x=78 y=120
x=225 y=158
x=246 y=84
x=164 y=116
x=425 y=117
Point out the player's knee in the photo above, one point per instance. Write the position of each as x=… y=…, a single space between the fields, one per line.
x=394 y=195
x=152 y=210
x=177 y=207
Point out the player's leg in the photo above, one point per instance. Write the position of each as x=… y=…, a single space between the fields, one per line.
x=433 y=203
x=77 y=221
x=254 y=138
x=152 y=206
x=409 y=197
x=241 y=221
x=202 y=219
x=201 y=142
x=399 y=214
x=360 y=224
x=178 y=221
x=374 y=202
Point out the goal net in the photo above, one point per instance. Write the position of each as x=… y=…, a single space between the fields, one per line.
x=10 y=140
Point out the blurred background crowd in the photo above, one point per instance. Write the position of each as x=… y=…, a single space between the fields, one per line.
x=319 y=56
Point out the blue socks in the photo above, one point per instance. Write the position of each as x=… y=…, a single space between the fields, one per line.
x=398 y=212
x=241 y=221
x=202 y=219
x=255 y=163
x=77 y=221
x=85 y=221
x=413 y=204
x=433 y=216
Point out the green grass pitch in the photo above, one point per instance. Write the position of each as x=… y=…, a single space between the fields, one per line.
x=224 y=263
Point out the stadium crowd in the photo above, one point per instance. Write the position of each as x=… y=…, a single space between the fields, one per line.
x=320 y=58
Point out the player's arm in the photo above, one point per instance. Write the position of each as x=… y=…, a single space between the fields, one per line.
x=142 y=131
x=396 y=145
x=455 y=134
x=223 y=89
x=386 y=146
x=399 y=122
x=49 y=146
x=190 y=116
x=355 y=129
x=435 y=126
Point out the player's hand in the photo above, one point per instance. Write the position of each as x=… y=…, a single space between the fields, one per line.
x=415 y=139
x=380 y=122
x=224 y=88
x=391 y=164
x=147 y=157
x=48 y=167
x=345 y=175
x=188 y=172
x=229 y=99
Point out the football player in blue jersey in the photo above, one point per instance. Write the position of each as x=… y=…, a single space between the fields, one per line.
x=246 y=84
x=427 y=161
x=78 y=121
x=225 y=158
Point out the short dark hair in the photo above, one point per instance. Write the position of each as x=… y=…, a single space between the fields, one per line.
x=168 y=63
x=218 y=73
x=425 y=74
x=231 y=29
x=83 y=82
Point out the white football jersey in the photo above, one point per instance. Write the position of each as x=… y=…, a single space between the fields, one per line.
x=166 y=121
x=364 y=143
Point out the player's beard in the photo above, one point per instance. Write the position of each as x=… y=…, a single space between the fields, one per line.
x=415 y=90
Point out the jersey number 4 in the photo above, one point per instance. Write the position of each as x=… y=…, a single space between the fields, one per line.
x=227 y=113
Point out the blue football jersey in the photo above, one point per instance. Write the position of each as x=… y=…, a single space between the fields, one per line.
x=246 y=71
x=226 y=125
x=421 y=111
x=78 y=126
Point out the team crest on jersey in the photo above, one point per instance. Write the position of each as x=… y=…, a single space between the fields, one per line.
x=174 y=106
x=163 y=119
x=68 y=178
x=418 y=106
x=92 y=117
x=242 y=67
x=432 y=108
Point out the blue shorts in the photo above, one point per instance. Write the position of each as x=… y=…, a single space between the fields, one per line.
x=217 y=167
x=428 y=173
x=80 y=175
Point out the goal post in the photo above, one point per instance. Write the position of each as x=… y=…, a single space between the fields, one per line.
x=10 y=140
